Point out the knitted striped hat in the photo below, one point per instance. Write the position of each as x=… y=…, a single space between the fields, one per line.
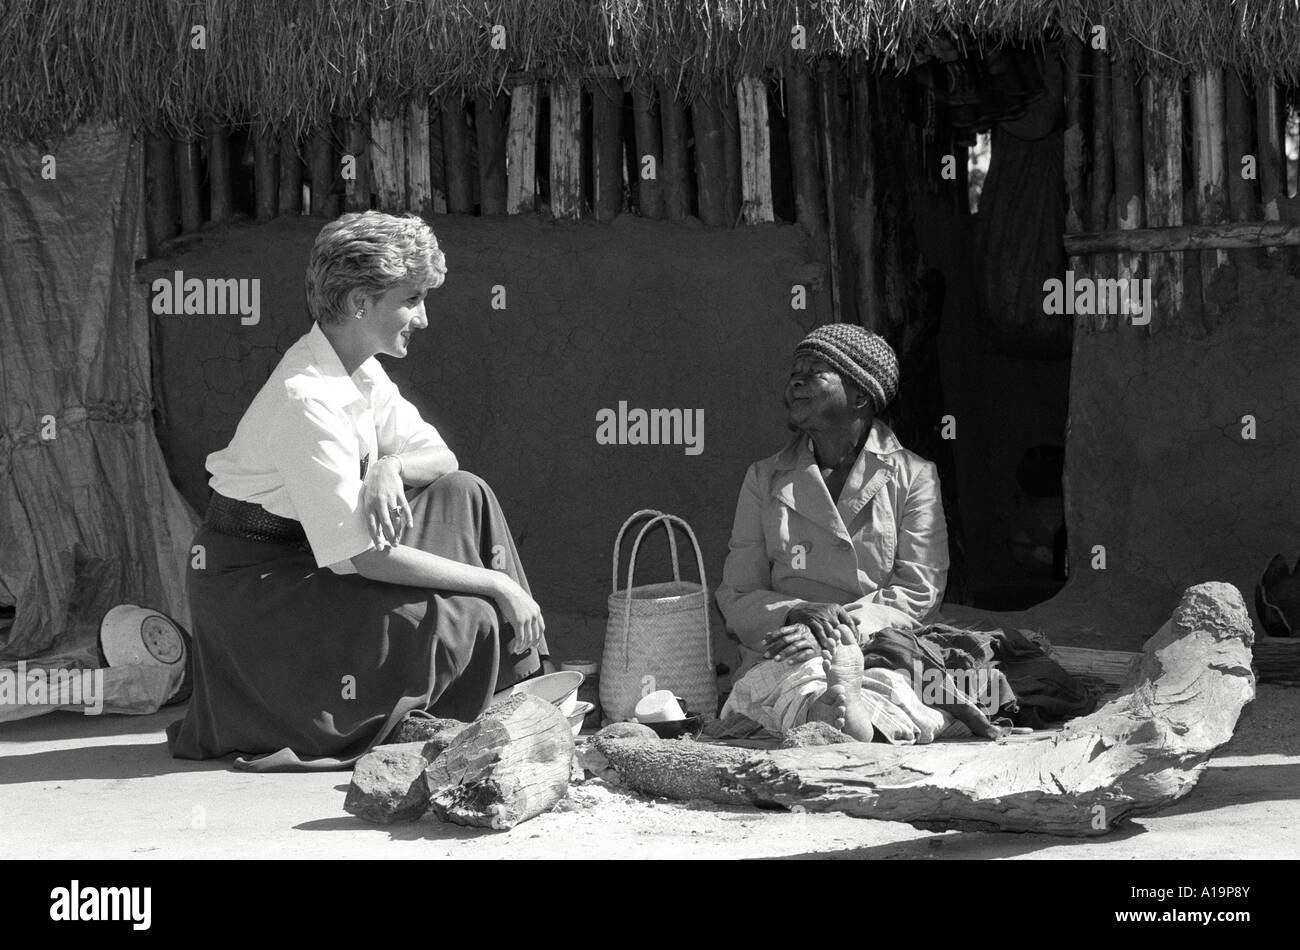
x=860 y=355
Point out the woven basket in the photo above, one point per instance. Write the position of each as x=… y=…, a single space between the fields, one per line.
x=657 y=636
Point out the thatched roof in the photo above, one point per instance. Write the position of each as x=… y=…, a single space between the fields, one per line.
x=277 y=60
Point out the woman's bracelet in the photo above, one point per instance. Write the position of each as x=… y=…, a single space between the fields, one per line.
x=400 y=468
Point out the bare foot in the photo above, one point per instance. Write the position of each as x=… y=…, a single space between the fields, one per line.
x=842 y=705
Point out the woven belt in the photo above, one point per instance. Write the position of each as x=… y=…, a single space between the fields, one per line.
x=252 y=522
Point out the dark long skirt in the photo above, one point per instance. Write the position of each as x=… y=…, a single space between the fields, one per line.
x=299 y=668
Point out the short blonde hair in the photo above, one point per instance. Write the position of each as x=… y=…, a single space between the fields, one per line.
x=371 y=251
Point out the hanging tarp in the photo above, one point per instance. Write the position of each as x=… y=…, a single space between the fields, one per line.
x=88 y=516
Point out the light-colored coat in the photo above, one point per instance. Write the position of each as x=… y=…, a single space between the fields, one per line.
x=882 y=551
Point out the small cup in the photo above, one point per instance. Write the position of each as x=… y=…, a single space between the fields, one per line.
x=659 y=706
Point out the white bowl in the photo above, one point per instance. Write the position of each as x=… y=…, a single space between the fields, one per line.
x=579 y=716
x=560 y=689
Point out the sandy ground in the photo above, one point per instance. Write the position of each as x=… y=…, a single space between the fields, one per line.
x=80 y=787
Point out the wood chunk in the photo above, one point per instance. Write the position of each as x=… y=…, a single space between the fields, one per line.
x=1141 y=751
x=388 y=783
x=437 y=734
x=509 y=765
x=681 y=769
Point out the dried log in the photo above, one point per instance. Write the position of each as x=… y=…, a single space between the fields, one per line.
x=415 y=143
x=648 y=143
x=1188 y=237
x=755 y=151
x=1162 y=152
x=864 y=211
x=1207 y=163
x=673 y=174
x=388 y=164
x=1139 y=752
x=290 y=176
x=509 y=765
x=809 y=200
x=266 y=179
x=322 y=173
x=455 y=152
x=490 y=116
x=1129 y=206
x=566 y=150
x=521 y=150
x=607 y=148
x=710 y=168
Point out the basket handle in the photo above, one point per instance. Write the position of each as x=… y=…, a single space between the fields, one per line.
x=618 y=542
x=668 y=521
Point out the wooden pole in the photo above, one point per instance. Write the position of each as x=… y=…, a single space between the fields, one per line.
x=187 y=179
x=322 y=172
x=1129 y=207
x=1072 y=52
x=1239 y=117
x=673 y=171
x=220 y=192
x=755 y=151
x=710 y=170
x=521 y=150
x=358 y=185
x=566 y=150
x=290 y=176
x=455 y=145
x=1102 y=186
x=1240 y=143
x=266 y=178
x=160 y=190
x=827 y=82
x=645 y=122
x=730 y=117
x=1207 y=162
x=1270 y=153
x=1188 y=237
x=415 y=131
x=1162 y=140
x=388 y=163
x=490 y=116
x=607 y=148
x=809 y=205
x=864 y=219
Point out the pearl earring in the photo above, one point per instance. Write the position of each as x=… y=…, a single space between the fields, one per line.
x=361 y=312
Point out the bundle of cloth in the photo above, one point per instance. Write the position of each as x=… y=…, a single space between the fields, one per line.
x=915 y=684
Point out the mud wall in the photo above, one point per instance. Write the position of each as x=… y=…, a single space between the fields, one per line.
x=1160 y=467
x=655 y=314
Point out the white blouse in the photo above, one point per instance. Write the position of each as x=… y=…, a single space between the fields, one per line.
x=299 y=449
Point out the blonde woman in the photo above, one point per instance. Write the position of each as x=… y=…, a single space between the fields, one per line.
x=352 y=572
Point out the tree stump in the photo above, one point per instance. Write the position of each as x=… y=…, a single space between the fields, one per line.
x=1141 y=751
x=509 y=765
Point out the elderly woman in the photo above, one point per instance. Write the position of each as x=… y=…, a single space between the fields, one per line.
x=837 y=536
x=349 y=571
